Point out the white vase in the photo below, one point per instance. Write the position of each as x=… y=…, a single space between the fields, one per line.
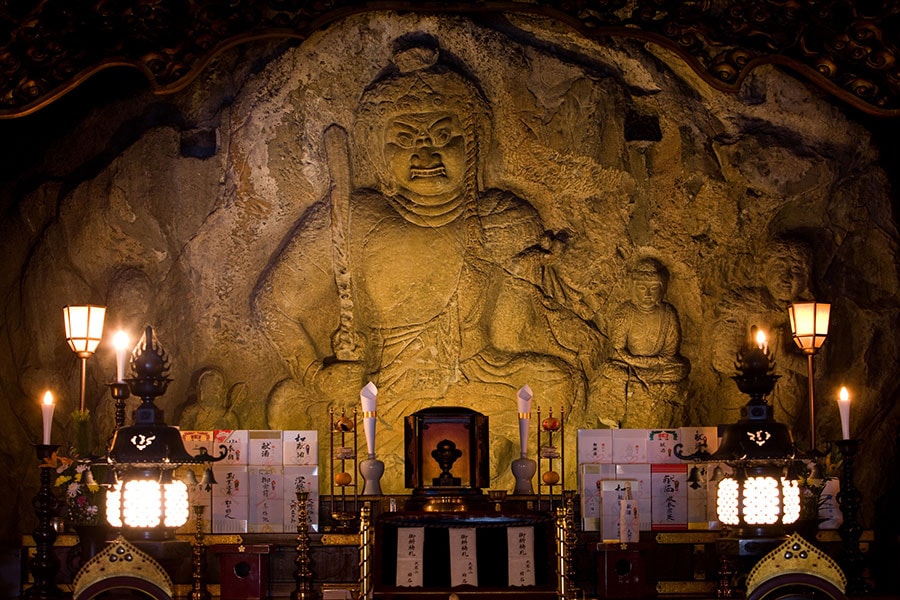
x=523 y=469
x=371 y=470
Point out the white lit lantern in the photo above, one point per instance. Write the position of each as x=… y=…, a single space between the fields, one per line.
x=84 y=328
x=809 y=324
x=809 y=328
x=148 y=500
x=760 y=500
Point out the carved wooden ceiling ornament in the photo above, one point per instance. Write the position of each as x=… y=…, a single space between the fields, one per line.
x=848 y=48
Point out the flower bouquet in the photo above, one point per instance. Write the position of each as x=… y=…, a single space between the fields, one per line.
x=813 y=480
x=84 y=498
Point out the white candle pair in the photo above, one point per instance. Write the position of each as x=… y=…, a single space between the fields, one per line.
x=47 y=407
x=844 y=408
x=121 y=341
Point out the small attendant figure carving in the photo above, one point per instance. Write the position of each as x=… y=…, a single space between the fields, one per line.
x=785 y=278
x=645 y=368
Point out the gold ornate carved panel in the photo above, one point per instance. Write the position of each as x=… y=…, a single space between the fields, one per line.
x=847 y=48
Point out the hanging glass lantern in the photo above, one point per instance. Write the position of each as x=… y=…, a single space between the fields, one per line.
x=762 y=495
x=147 y=501
x=759 y=500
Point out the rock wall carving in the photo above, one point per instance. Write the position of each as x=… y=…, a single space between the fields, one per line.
x=611 y=152
x=419 y=286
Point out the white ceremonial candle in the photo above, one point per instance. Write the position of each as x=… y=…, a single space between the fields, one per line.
x=844 y=407
x=121 y=342
x=47 y=412
x=523 y=398
x=368 y=396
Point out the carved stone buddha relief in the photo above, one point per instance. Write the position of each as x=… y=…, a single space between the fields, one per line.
x=454 y=208
x=422 y=283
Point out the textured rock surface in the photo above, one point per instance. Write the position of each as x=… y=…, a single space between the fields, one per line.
x=172 y=211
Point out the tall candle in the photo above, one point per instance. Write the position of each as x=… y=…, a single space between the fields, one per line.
x=121 y=341
x=844 y=407
x=47 y=412
x=368 y=396
x=523 y=398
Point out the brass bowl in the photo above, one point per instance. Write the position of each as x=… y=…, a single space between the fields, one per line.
x=446 y=504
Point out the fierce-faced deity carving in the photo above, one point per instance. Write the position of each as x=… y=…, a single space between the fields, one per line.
x=411 y=284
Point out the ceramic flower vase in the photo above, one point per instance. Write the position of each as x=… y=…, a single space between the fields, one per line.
x=371 y=470
x=523 y=469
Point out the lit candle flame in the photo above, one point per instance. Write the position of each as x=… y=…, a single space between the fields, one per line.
x=761 y=341
x=48 y=397
x=121 y=340
x=844 y=394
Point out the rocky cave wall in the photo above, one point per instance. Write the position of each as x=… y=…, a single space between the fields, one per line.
x=205 y=215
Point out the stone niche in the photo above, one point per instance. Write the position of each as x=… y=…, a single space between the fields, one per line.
x=452 y=210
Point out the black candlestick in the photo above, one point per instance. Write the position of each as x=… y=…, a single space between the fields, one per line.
x=45 y=565
x=120 y=393
x=849 y=499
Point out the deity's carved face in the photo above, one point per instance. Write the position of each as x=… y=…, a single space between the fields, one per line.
x=426 y=155
x=786 y=278
x=647 y=293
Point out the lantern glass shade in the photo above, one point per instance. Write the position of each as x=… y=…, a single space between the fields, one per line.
x=809 y=324
x=144 y=503
x=84 y=328
x=727 y=501
x=758 y=501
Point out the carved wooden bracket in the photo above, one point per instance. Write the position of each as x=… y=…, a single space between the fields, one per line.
x=846 y=47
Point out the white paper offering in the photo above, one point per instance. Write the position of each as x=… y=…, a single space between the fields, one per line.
x=368 y=397
x=520 y=545
x=463 y=557
x=410 y=545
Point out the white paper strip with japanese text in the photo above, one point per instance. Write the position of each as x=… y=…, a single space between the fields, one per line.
x=463 y=557
x=520 y=545
x=410 y=545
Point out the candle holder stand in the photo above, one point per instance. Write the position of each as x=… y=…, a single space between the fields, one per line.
x=44 y=565
x=199 y=590
x=366 y=548
x=550 y=458
x=849 y=500
x=120 y=393
x=566 y=540
x=303 y=573
x=343 y=444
